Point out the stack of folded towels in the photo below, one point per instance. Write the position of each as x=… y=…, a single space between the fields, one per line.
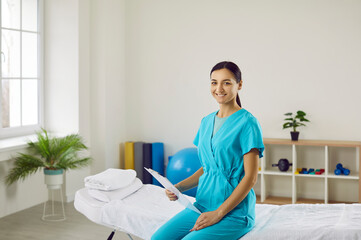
x=112 y=184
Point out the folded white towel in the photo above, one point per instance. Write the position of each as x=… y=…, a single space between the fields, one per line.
x=110 y=179
x=107 y=196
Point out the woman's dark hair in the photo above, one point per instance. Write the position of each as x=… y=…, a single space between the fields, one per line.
x=233 y=68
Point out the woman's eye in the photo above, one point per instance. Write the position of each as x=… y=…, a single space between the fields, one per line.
x=213 y=83
x=227 y=83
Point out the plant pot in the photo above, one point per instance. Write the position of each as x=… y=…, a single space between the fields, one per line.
x=53 y=178
x=294 y=136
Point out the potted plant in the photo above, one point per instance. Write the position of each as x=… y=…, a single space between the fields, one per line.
x=294 y=122
x=53 y=154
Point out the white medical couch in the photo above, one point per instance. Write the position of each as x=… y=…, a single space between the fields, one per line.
x=143 y=212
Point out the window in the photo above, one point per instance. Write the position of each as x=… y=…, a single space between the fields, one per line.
x=20 y=77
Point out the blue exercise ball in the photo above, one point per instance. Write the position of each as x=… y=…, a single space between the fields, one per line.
x=182 y=165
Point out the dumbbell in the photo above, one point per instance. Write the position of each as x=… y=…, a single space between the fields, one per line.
x=341 y=170
x=283 y=164
x=305 y=171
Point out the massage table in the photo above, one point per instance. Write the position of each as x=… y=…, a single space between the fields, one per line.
x=144 y=211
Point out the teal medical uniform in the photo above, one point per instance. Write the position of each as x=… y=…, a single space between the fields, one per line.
x=221 y=156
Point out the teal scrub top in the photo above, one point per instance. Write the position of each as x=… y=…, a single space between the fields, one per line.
x=221 y=157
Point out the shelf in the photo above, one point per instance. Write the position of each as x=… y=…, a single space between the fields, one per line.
x=311 y=175
x=310 y=201
x=310 y=188
x=336 y=202
x=329 y=143
x=275 y=200
x=277 y=173
x=354 y=176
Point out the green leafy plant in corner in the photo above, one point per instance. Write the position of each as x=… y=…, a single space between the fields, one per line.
x=50 y=153
x=296 y=121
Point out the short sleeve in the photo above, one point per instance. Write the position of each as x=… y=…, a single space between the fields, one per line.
x=196 y=139
x=251 y=137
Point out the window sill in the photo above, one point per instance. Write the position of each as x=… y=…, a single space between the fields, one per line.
x=10 y=146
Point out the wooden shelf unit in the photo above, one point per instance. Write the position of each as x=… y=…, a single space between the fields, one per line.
x=291 y=176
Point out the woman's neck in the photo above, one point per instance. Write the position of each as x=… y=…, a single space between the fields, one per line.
x=226 y=110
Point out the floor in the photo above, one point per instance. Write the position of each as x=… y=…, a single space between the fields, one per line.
x=27 y=224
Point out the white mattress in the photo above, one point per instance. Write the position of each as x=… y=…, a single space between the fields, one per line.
x=143 y=212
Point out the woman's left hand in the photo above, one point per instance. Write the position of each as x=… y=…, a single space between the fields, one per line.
x=206 y=219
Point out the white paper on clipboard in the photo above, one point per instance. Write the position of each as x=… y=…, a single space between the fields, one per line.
x=168 y=185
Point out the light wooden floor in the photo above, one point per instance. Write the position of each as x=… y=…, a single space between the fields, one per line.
x=27 y=225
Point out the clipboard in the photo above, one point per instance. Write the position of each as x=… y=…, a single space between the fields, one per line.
x=169 y=186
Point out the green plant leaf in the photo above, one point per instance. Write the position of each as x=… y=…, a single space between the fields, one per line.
x=288 y=119
x=304 y=120
x=288 y=114
x=287 y=125
x=73 y=164
x=25 y=165
x=41 y=146
x=301 y=113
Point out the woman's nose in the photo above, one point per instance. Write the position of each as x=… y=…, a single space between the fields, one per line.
x=219 y=88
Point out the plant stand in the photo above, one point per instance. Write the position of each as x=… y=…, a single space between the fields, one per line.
x=54 y=210
x=54 y=180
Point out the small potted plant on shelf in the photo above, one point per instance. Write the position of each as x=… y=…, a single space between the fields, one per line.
x=294 y=122
x=53 y=154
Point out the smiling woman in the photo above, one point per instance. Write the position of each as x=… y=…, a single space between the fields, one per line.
x=229 y=145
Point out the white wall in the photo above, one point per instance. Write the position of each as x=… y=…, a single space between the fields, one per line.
x=107 y=83
x=61 y=86
x=293 y=55
x=66 y=66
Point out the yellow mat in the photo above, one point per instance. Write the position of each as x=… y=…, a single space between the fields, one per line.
x=129 y=155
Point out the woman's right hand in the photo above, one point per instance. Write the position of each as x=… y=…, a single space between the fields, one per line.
x=171 y=195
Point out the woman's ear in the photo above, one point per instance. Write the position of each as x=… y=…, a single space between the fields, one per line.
x=240 y=85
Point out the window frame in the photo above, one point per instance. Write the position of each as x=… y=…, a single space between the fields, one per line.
x=28 y=129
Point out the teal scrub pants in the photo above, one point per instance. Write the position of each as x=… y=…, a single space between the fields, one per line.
x=178 y=228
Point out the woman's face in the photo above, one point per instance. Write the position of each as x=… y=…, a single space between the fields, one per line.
x=224 y=87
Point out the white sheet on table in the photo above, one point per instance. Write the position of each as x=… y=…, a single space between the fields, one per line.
x=141 y=213
x=307 y=221
x=145 y=211
x=88 y=206
x=110 y=179
x=107 y=196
